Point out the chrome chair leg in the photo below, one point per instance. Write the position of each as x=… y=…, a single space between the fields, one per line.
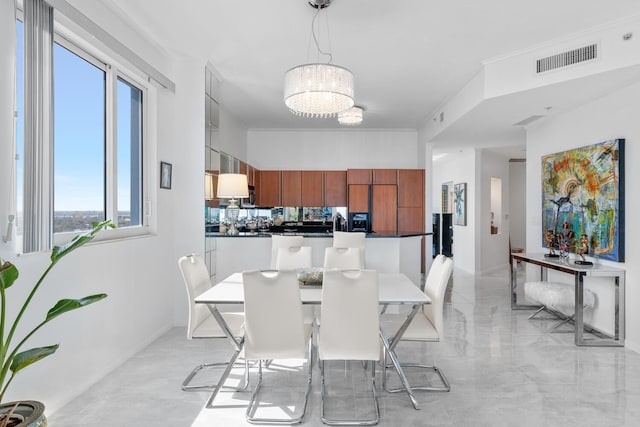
x=343 y=422
x=445 y=383
x=253 y=403
x=186 y=386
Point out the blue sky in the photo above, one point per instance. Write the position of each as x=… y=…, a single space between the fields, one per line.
x=79 y=123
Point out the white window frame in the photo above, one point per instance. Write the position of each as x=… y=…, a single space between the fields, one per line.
x=115 y=69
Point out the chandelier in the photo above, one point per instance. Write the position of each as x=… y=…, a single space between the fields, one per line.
x=318 y=89
x=351 y=116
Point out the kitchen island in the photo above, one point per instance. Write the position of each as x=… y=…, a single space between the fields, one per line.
x=385 y=252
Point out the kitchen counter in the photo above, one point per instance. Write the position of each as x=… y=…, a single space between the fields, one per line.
x=385 y=252
x=314 y=234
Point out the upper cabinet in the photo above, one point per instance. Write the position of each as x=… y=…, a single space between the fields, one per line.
x=410 y=188
x=268 y=190
x=303 y=188
x=311 y=189
x=411 y=201
x=358 y=176
x=384 y=176
x=291 y=188
x=335 y=188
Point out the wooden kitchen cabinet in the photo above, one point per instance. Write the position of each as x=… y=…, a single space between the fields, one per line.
x=268 y=190
x=335 y=188
x=411 y=188
x=410 y=220
x=291 y=188
x=384 y=208
x=311 y=189
x=359 y=198
x=358 y=176
x=384 y=176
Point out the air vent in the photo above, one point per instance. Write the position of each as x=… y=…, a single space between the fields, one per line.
x=565 y=59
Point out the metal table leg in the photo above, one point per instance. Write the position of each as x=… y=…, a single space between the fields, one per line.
x=514 y=287
x=237 y=345
x=390 y=350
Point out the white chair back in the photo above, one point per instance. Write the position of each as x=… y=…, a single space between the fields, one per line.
x=435 y=288
x=196 y=279
x=274 y=327
x=293 y=257
x=343 y=258
x=282 y=242
x=343 y=239
x=350 y=322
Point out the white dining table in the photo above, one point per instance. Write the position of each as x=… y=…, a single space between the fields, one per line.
x=393 y=289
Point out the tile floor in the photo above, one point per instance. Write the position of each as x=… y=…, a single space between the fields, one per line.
x=504 y=369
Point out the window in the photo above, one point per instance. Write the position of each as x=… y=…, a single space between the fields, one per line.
x=129 y=149
x=98 y=141
x=79 y=136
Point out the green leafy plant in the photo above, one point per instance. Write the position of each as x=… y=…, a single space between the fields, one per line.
x=12 y=359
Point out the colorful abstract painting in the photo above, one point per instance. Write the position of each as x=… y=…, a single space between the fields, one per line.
x=583 y=194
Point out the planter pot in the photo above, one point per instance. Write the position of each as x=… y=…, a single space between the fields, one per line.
x=28 y=413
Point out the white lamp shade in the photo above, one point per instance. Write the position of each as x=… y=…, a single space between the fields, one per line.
x=318 y=90
x=232 y=185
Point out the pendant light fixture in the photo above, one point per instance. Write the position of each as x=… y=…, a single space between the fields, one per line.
x=351 y=116
x=318 y=89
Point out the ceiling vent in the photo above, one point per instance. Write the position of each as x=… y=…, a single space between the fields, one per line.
x=575 y=56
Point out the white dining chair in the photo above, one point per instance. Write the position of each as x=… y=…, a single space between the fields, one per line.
x=201 y=323
x=349 y=330
x=274 y=329
x=278 y=242
x=343 y=239
x=342 y=258
x=293 y=258
x=428 y=324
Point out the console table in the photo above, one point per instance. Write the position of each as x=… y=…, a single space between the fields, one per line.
x=579 y=273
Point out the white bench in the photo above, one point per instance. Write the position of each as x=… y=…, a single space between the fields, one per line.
x=557 y=298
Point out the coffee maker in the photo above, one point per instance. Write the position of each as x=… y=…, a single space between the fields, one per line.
x=359 y=221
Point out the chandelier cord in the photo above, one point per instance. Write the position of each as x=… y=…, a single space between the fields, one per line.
x=315 y=38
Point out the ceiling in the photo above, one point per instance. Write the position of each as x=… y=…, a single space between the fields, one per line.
x=408 y=57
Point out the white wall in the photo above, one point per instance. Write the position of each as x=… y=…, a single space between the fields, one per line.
x=494 y=248
x=233 y=135
x=459 y=168
x=332 y=150
x=139 y=275
x=517 y=204
x=613 y=116
x=7 y=72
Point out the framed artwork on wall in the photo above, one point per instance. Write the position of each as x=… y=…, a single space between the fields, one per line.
x=460 y=204
x=165 y=175
x=583 y=200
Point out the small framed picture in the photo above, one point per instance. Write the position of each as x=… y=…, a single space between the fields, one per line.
x=460 y=204
x=165 y=175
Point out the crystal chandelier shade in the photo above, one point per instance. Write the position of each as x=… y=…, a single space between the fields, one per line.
x=351 y=116
x=318 y=90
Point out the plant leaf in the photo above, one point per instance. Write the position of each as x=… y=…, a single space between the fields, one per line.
x=28 y=357
x=8 y=274
x=65 y=305
x=59 y=251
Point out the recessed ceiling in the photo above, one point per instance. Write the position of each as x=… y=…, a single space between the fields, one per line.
x=408 y=56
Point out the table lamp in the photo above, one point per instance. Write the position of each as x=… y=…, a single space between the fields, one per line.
x=232 y=186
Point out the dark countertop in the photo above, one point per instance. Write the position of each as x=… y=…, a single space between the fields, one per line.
x=320 y=235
